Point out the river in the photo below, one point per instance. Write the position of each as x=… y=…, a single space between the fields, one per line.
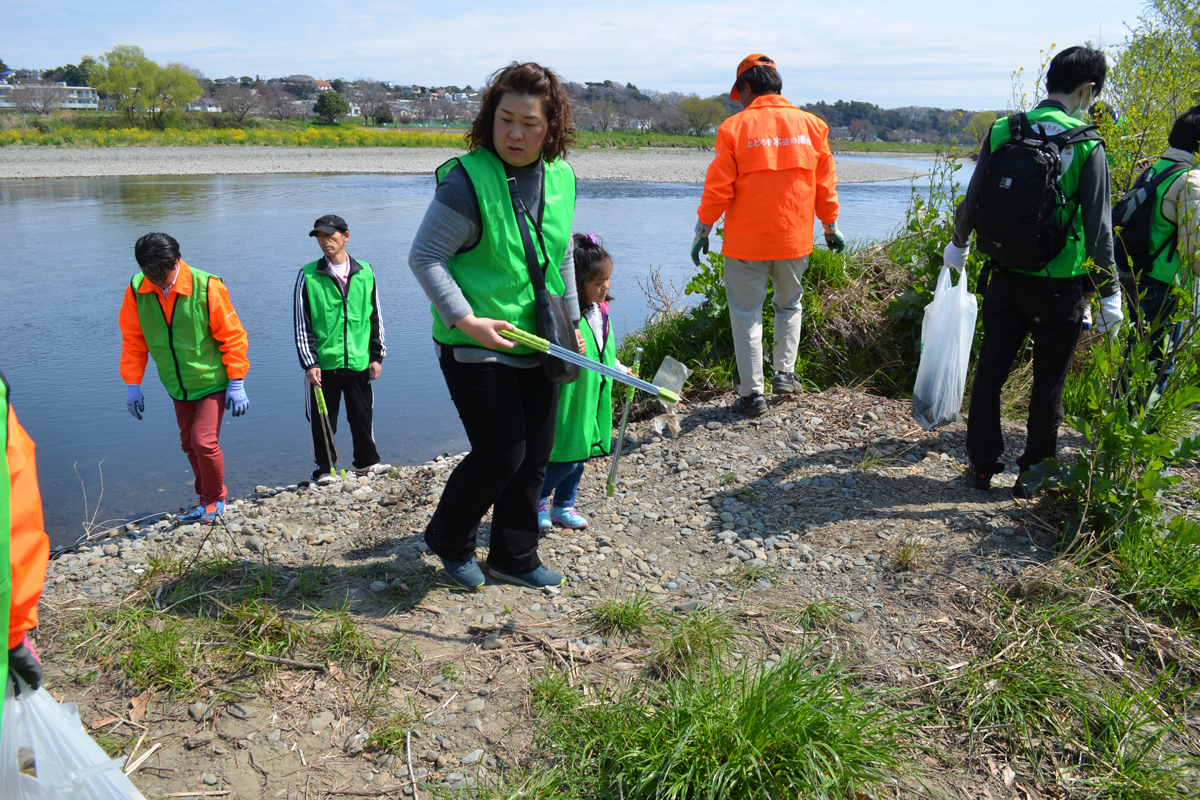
x=71 y=256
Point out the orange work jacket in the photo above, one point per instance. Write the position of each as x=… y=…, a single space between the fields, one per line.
x=222 y=321
x=772 y=172
x=29 y=549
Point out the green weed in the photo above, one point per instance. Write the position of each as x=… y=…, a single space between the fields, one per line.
x=700 y=636
x=910 y=552
x=622 y=617
x=820 y=615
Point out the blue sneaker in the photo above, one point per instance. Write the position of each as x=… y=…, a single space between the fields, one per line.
x=465 y=574
x=212 y=511
x=544 y=521
x=567 y=517
x=195 y=515
x=540 y=578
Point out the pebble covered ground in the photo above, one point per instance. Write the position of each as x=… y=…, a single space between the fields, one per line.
x=654 y=165
x=833 y=496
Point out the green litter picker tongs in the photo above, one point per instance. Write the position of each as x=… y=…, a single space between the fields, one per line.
x=327 y=429
x=612 y=471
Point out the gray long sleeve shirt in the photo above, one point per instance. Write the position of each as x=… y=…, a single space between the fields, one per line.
x=452 y=225
x=1095 y=208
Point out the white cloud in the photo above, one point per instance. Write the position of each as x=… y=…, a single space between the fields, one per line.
x=936 y=52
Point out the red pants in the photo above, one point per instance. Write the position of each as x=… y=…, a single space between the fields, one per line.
x=199 y=429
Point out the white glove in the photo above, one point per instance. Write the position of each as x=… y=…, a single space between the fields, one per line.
x=955 y=256
x=1109 y=315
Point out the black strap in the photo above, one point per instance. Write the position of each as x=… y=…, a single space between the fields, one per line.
x=536 y=272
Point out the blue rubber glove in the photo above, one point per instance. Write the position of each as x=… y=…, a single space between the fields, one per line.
x=235 y=398
x=134 y=402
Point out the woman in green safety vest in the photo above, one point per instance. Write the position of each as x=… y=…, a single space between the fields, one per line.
x=1175 y=238
x=469 y=257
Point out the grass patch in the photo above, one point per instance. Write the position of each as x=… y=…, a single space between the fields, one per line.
x=818 y=616
x=910 y=553
x=799 y=729
x=393 y=735
x=623 y=617
x=700 y=636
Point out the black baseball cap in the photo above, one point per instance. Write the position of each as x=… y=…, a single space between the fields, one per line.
x=330 y=223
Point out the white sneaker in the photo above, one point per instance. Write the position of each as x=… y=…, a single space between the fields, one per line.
x=326 y=479
x=374 y=469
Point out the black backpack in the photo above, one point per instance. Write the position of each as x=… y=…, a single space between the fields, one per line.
x=1133 y=217
x=1016 y=211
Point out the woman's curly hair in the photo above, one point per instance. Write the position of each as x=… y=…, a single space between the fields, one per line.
x=532 y=80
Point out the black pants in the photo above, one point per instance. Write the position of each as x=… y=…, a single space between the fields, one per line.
x=1150 y=307
x=509 y=415
x=360 y=402
x=1051 y=309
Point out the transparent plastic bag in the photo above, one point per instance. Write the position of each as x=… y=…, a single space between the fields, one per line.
x=946 y=336
x=69 y=765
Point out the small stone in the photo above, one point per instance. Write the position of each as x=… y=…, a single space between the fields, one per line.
x=378 y=586
x=241 y=710
x=441 y=761
x=198 y=712
x=202 y=739
x=475 y=706
x=320 y=722
x=688 y=606
x=472 y=757
x=853 y=617
x=209 y=779
x=871 y=416
x=110 y=549
x=255 y=544
x=487 y=619
x=260 y=489
x=492 y=642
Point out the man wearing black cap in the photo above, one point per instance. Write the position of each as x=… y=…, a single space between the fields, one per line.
x=339 y=338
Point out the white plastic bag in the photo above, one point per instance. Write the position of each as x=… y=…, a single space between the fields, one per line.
x=70 y=766
x=946 y=336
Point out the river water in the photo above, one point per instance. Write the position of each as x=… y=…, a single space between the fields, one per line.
x=70 y=244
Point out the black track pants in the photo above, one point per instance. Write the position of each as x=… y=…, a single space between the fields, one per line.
x=355 y=387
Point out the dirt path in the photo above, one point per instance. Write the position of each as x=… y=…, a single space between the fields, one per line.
x=835 y=498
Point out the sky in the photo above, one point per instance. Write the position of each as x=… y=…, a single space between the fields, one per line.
x=924 y=52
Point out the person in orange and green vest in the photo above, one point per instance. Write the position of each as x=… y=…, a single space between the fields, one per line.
x=182 y=317
x=24 y=548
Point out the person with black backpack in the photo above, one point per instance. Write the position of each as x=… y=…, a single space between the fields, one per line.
x=1039 y=206
x=1156 y=227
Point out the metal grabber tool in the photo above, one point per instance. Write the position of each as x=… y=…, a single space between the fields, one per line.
x=612 y=471
x=327 y=429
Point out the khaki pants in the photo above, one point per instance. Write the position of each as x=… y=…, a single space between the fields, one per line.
x=746 y=289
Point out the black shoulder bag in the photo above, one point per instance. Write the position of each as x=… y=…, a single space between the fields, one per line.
x=553 y=318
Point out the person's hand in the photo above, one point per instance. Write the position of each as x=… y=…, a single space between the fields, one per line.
x=487 y=331
x=833 y=238
x=24 y=661
x=135 y=403
x=1109 y=314
x=955 y=257
x=579 y=341
x=235 y=398
x=700 y=243
x=374 y=370
x=314 y=376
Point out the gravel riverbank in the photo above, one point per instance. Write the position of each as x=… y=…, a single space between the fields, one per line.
x=834 y=498
x=655 y=165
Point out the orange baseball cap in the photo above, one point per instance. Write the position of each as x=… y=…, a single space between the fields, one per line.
x=752 y=60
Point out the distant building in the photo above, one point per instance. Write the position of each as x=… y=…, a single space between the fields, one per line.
x=72 y=98
x=324 y=86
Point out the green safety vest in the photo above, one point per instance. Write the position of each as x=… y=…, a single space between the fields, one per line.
x=342 y=321
x=585 y=412
x=1163 y=231
x=186 y=353
x=493 y=275
x=5 y=540
x=1070 y=262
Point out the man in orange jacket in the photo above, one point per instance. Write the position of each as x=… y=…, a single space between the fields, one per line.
x=183 y=318
x=24 y=549
x=772 y=172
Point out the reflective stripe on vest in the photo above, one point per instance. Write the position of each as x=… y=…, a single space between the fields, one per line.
x=493 y=275
x=585 y=412
x=5 y=540
x=342 y=322
x=1070 y=262
x=187 y=355
x=1164 y=232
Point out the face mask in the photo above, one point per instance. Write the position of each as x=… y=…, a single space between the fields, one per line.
x=1081 y=113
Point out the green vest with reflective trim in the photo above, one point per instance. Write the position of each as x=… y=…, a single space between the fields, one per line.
x=1070 y=262
x=342 y=322
x=585 y=413
x=493 y=275
x=185 y=352
x=1163 y=231
x=5 y=540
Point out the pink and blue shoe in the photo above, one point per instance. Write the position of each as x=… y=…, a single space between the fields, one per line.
x=544 y=521
x=212 y=511
x=567 y=517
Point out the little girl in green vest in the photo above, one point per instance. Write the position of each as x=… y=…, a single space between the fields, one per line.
x=584 y=407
